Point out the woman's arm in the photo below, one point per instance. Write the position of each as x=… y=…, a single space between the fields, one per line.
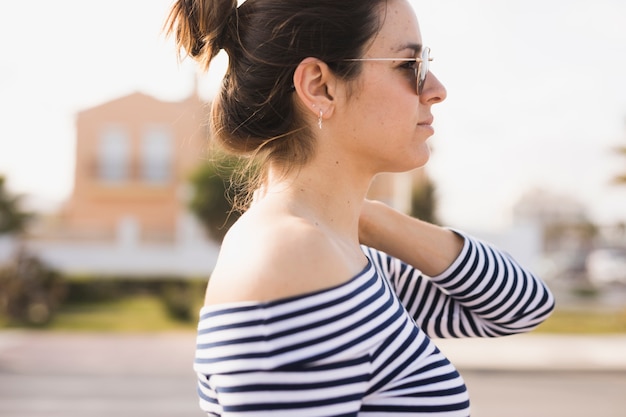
x=476 y=290
x=394 y=233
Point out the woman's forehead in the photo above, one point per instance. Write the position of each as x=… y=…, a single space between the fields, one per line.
x=399 y=32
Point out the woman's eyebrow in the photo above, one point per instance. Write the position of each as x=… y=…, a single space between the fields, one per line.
x=415 y=47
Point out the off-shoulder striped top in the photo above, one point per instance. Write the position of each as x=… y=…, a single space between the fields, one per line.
x=363 y=348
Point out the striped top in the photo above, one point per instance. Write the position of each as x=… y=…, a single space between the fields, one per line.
x=363 y=348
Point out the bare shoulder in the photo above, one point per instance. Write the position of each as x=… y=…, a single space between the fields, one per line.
x=267 y=256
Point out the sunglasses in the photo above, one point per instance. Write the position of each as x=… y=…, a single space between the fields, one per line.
x=421 y=66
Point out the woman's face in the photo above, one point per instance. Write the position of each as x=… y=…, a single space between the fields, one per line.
x=384 y=120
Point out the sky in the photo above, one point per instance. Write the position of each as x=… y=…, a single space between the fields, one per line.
x=536 y=95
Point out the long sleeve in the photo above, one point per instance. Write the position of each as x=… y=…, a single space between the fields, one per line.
x=484 y=293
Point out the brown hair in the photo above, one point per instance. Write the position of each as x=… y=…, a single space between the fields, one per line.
x=254 y=112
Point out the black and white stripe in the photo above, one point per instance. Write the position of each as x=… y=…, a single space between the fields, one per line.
x=355 y=350
x=483 y=293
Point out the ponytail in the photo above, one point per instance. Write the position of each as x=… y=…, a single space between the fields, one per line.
x=202 y=27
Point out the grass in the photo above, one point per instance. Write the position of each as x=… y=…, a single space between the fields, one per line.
x=147 y=313
x=585 y=322
x=133 y=314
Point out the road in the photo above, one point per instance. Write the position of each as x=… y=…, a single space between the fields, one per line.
x=68 y=375
x=494 y=394
x=97 y=396
x=547 y=393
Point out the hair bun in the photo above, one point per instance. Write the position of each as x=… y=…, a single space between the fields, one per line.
x=202 y=27
x=228 y=32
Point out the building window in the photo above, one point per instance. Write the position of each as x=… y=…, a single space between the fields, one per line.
x=156 y=155
x=114 y=155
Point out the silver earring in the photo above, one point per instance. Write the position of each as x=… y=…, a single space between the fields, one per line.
x=319 y=119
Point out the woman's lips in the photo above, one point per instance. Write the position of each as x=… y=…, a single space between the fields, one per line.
x=428 y=125
x=427 y=122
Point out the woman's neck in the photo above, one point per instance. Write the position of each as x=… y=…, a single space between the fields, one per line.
x=328 y=196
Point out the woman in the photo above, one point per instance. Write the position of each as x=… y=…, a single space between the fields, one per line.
x=322 y=303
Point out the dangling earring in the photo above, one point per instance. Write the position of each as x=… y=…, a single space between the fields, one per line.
x=319 y=119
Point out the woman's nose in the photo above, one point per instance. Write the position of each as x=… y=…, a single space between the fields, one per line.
x=434 y=91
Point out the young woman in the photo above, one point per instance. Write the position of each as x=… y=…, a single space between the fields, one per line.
x=323 y=303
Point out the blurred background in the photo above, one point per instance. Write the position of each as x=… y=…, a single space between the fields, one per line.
x=111 y=211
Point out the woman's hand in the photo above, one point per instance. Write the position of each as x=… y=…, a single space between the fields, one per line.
x=427 y=247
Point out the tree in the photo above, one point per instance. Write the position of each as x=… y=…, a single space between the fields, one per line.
x=216 y=185
x=30 y=293
x=423 y=201
x=12 y=219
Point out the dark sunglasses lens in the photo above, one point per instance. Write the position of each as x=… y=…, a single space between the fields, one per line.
x=420 y=79
x=422 y=71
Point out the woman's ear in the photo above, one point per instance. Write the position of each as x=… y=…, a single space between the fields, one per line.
x=315 y=86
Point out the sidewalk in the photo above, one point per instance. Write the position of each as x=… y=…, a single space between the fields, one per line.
x=78 y=353
x=539 y=352
x=30 y=352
